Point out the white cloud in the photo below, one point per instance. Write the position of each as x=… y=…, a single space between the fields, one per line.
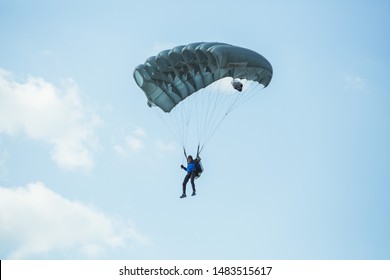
x=134 y=143
x=139 y=132
x=162 y=146
x=138 y=142
x=36 y=222
x=354 y=82
x=54 y=115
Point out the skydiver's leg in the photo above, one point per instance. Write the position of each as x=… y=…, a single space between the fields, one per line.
x=186 y=178
x=193 y=183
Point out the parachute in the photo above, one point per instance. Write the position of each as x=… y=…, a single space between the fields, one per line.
x=198 y=84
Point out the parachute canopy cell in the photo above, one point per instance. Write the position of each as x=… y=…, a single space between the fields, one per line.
x=172 y=75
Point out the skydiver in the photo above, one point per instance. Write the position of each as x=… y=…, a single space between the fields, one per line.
x=191 y=174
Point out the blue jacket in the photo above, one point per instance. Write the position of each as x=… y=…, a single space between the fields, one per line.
x=190 y=167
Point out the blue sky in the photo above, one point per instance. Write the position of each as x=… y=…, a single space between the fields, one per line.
x=87 y=170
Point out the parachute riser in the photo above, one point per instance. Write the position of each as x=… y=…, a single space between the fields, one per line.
x=198 y=151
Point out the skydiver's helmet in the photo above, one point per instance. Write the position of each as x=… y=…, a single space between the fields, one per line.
x=237 y=85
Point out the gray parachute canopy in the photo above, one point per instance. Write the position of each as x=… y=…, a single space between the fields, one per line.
x=173 y=75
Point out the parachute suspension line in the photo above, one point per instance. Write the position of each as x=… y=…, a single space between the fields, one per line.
x=215 y=108
x=186 y=116
x=207 y=106
x=198 y=105
x=207 y=103
x=228 y=96
x=227 y=102
x=176 y=120
x=251 y=90
x=185 y=119
x=174 y=133
x=183 y=115
x=239 y=96
x=199 y=99
x=203 y=112
x=219 y=98
x=201 y=103
x=214 y=130
x=254 y=89
x=199 y=150
x=177 y=123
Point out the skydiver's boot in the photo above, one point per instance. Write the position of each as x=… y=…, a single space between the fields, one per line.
x=183 y=195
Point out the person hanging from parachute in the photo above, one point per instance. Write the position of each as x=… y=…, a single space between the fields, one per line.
x=191 y=87
x=194 y=170
x=191 y=173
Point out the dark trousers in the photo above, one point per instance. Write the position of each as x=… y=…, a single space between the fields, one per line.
x=186 y=179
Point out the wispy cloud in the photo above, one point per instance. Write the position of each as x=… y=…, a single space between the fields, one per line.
x=49 y=55
x=354 y=82
x=36 y=222
x=133 y=143
x=139 y=132
x=165 y=147
x=138 y=142
x=57 y=116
